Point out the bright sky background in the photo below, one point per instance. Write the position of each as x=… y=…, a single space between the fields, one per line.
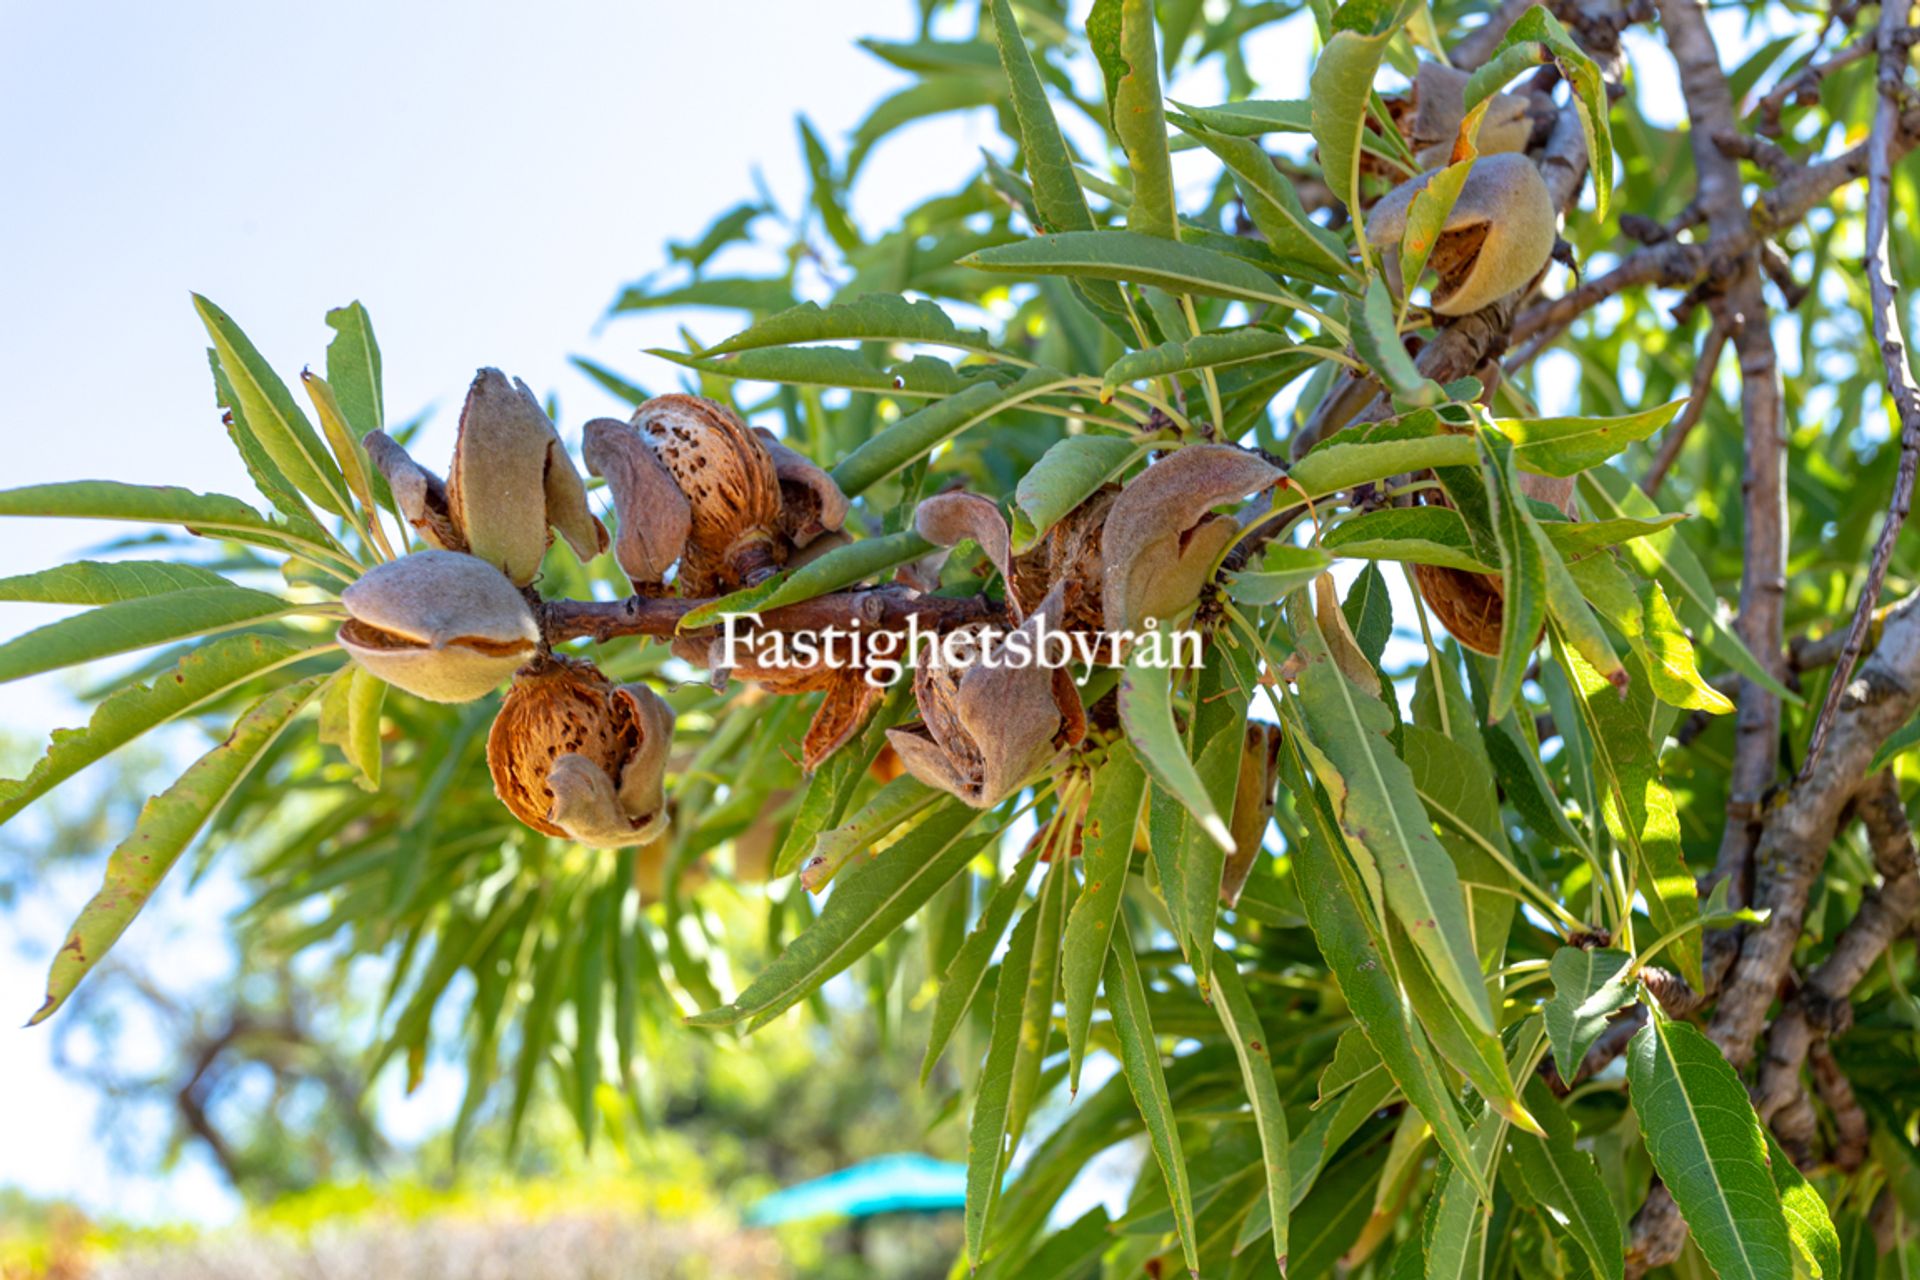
x=483 y=177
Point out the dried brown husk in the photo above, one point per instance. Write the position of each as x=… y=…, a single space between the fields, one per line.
x=985 y=725
x=1471 y=605
x=420 y=495
x=811 y=504
x=574 y=755
x=1161 y=537
x=511 y=478
x=1439 y=106
x=441 y=625
x=653 y=518
x=1071 y=555
x=730 y=484
x=1254 y=793
x=1497 y=239
x=850 y=700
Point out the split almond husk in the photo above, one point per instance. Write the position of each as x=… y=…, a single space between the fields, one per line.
x=576 y=756
x=1497 y=238
x=653 y=518
x=730 y=485
x=442 y=625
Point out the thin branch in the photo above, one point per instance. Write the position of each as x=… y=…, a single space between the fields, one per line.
x=1802 y=88
x=887 y=608
x=1698 y=396
x=1889 y=336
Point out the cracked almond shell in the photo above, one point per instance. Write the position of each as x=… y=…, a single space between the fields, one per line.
x=1496 y=239
x=730 y=484
x=575 y=756
x=442 y=625
x=511 y=478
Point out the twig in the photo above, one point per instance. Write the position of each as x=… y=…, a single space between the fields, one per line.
x=1697 y=397
x=1889 y=336
x=878 y=609
x=1801 y=88
x=1822 y=1006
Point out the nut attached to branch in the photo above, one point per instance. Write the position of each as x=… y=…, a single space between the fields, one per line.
x=653 y=516
x=442 y=625
x=576 y=756
x=1497 y=238
x=730 y=484
x=511 y=479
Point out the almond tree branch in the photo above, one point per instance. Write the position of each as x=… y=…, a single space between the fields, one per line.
x=1822 y=1008
x=888 y=608
x=1675 y=438
x=1889 y=337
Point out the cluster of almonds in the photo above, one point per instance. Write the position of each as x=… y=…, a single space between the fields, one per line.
x=574 y=755
x=571 y=753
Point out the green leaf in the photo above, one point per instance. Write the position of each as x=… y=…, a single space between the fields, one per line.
x=1457 y=788
x=923 y=377
x=1641 y=613
x=1113 y=815
x=1523 y=574
x=1043 y=989
x=987 y=1144
x=918 y=434
x=1215 y=351
x=1588 y=988
x=1665 y=557
x=1637 y=806
x=629 y=393
x=1347 y=460
x=1340 y=91
x=1140 y=1063
x=347 y=450
x=1146 y=709
x=1579 y=540
x=841 y=567
x=206 y=673
x=167 y=824
x=1121 y=33
x=1337 y=910
x=272 y=415
x=1376 y=336
x=731 y=227
x=1067 y=474
x=1255 y=117
x=208 y=514
x=868 y=903
x=1379 y=809
x=138 y=623
x=1251 y=1046
x=353 y=369
x=350 y=720
x=1413 y=535
x=1136 y=257
x=734 y=293
x=935 y=94
x=872 y=317
x=1808 y=1223
x=1273 y=204
x=107 y=582
x=1709 y=1149
x=968 y=971
x=1537 y=25
x=1283 y=570
x=1568 y=446
x=1427 y=215
x=1565 y=1179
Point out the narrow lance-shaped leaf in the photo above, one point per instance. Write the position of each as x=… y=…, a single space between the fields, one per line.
x=1121 y=32
x=968 y=970
x=1589 y=986
x=139 y=623
x=1708 y=1148
x=1140 y=1063
x=987 y=1152
x=272 y=414
x=1336 y=908
x=167 y=824
x=1146 y=709
x=353 y=369
x=1136 y=257
x=918 y=434
x=1564 y=1178
x=1808 y=1223
x=99 y=582
x=1252 y=1048
x=1113 y=815
x=1637 y=806
x=871 y=900
x=1523 y=574
x=1068 y=473
x=205 y=674
x=1341 y=91
x=1379 y=809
